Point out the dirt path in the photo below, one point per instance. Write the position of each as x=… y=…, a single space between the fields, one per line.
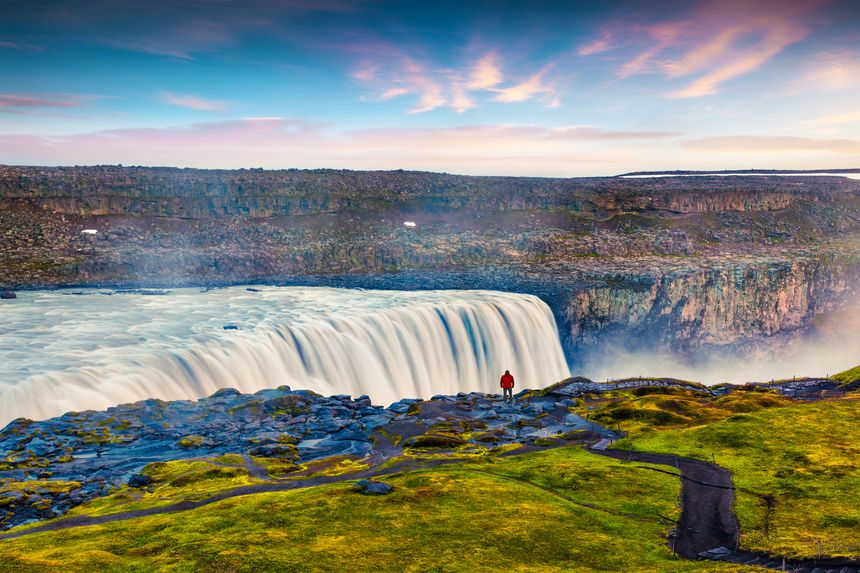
x=706 y=522
x=399 y=467
x=707 y=493
x=708 y=527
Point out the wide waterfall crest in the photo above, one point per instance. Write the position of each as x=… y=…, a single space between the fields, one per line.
x=62 y=353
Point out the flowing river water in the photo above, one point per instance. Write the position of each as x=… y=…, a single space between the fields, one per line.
x=67 y=350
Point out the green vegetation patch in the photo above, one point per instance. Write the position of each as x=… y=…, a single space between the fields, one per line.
x=797 y=467
x=188 y=480
x=849 y=377
x=512 y=515
x=638 y=410
x=38 y=486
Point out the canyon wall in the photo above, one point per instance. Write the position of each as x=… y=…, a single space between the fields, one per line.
x=729 y=306
x=194 y=193
x=684 y=264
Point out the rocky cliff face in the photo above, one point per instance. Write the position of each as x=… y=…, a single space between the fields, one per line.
x=725 y=306
x=683 y=263
x=194 y=193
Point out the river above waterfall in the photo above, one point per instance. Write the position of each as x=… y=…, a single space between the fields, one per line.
x=65 y=350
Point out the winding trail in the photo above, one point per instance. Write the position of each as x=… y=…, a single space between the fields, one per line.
x=707 y=521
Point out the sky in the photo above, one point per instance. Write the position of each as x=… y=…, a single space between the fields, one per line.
x=542 y=88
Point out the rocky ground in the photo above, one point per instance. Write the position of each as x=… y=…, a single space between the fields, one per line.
x=50 y=466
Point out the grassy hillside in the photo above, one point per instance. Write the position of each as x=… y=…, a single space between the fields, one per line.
x=798 y=468
x=514 y=514
x=849 y=377
x=638 y=410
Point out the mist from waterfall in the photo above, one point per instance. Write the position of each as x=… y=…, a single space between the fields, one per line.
x=60 y=352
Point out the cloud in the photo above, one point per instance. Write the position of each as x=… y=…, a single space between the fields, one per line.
x=718 y=40
x=770 y=143
x=593 y=133
x=394 y=92
x=27 y=104
x=525 y=91
x=393 y=74
x=481 y=149
x=836 y=119
x=193 y=102
x=833 y=71
x=601 y=44
x=485 y=74
x=183 y=40
x=279 y=143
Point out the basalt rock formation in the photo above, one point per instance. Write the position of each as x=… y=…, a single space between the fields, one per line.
x=682 y=263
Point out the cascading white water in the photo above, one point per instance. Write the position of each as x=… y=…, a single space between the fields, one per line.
x=60 y=352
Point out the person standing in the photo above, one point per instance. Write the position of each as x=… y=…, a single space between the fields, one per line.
x=507 y=384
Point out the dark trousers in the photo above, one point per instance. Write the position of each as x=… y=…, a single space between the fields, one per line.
x=508 y=394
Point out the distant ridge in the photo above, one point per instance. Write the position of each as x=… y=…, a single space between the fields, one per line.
x=743 y=172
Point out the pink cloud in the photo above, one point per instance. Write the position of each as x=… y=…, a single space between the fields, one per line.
x=601 y=44
x=524 y=91
x=718 y=40
x=22 y=100
x=28 y=104
x=460 y=100
x=393 y=74
x=279 y=142
x=485 y=74
x=275 y=142
x=193 y=102
x=833 y=71
x=181 y=41
x=837 y=119
x=768 y=143
x=593 y=133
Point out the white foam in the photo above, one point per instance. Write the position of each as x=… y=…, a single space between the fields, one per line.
x=61 y=353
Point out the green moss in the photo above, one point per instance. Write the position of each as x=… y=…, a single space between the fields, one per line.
x=229 y=459
x=38 y=486
x=803 y=456
x=191 y=441
x=278 y=467
x=848 y=377
x=639 y=410
x=466 y=518
x=436 y=440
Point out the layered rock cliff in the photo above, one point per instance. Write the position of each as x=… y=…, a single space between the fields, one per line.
x=724 y=306
x=681 y=263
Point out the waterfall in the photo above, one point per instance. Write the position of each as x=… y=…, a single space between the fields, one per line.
x=60 y=352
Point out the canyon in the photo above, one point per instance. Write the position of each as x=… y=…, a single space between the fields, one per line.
x=696 y=266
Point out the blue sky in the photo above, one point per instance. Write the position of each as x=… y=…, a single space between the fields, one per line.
x=520 y=88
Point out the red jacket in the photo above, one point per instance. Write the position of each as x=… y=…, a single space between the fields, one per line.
x=507 y=381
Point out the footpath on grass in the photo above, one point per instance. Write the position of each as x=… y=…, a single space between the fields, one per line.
x=449 y=427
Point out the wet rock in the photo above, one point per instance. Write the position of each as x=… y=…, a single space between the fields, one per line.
x=7 y=295
x=399 y=407
x=368 y=487
x=139 y=480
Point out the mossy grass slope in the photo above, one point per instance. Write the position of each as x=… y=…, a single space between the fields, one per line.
x=512 y=514
x=637 y=410
x=796 y=468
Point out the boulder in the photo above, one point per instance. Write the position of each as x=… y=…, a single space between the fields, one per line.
x=368 y=487
x=8 y=295
x=139 y=480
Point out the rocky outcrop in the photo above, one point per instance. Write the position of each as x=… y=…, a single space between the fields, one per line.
x=53 y=465
x=719 y=306
x=196 y=193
